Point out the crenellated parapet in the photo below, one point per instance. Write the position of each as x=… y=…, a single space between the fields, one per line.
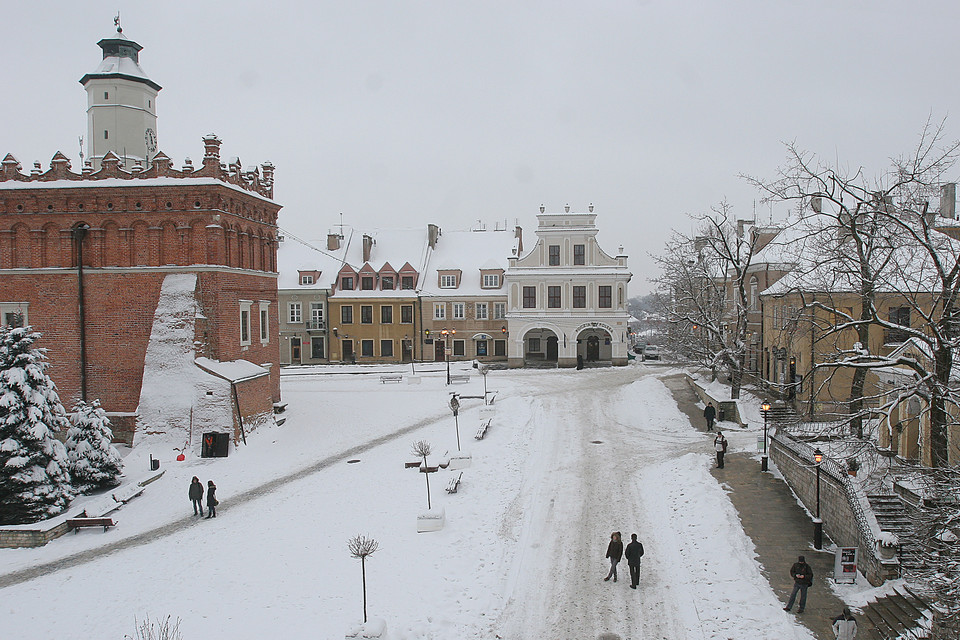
x=258 y=180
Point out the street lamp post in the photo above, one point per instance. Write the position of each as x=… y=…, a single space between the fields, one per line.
x=446 y=349
x=763 y=460
x=817 y=522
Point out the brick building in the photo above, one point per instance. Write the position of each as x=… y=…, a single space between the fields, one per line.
x=154 y=288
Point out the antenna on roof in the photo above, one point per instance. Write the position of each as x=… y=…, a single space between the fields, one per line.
x=80 y=140
x=116 y=21
x=341 y=224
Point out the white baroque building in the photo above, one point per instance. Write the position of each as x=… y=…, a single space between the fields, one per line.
x=566 y=297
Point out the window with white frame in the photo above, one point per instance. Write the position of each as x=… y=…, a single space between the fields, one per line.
x=245 y=306
x=482 y=311
x=295 y=313
x=264 y=322
x=491 y=281
x=458 y=313
x=439 y=310
x=499 y=310
x=448 y=281
x=316 y=315
x=305 y=279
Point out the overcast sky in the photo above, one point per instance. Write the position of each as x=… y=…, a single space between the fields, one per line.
x=401 y=113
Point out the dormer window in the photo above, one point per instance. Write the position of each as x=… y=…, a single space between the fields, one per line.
x=305 y=279
x=491 y=281
x=366 y=283
x=406 y=282
x=448 y=281
x=387 y=283
x=346 y=283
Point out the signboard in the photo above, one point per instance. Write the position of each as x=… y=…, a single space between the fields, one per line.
x=845 y=565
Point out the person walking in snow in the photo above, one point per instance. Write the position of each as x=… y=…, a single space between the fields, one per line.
x=196 y=495
x=845 y=626
x=720 y=444
x=632 y=553
x=212 y=501
x=710 y=414
x=614 y=552
x=802 y=575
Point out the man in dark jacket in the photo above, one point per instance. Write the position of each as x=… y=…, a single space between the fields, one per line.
x=196 y=495
x=632 y=553
x=709 y=415
x=802 y=575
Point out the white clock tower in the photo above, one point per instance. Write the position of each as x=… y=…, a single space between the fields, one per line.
x=121 y=105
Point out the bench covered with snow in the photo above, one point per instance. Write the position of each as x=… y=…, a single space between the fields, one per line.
x=78 y=523
x=484 y=425
x=125 y=494
x=458 y=378
x=391 y=377
x=454 y=483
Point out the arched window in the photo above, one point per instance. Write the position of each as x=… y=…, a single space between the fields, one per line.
x=754 y=299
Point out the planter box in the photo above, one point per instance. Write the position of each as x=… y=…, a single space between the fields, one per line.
x=432 y=520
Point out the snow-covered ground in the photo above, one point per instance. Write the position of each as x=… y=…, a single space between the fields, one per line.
x=570 y=457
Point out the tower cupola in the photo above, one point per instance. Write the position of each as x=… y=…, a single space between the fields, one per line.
x=121 y=105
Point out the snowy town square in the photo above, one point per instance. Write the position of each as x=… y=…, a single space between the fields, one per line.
x=567 y=458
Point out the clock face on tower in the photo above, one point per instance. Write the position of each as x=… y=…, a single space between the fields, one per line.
x=150 y=137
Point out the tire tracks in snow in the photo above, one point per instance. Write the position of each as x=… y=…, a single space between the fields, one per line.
x=172 y=528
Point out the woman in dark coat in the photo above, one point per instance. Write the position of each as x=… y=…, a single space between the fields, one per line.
x=196 y=495
x=614 y=552
x=212 y=501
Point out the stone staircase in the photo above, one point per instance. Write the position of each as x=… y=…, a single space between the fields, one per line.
x=900 y=615
x=892 y=517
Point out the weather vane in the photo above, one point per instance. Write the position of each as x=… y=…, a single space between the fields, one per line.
x=116 y=21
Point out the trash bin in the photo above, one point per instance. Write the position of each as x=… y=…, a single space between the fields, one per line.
x=154 y=464
x=215 y=445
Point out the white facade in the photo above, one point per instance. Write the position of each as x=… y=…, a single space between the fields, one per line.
x=567 y=297
x=121 y=106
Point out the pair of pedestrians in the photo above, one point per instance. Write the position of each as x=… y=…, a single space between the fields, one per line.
x=196 y=497
x=633 y=553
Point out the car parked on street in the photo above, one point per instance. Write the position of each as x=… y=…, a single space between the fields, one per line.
x=651 y=352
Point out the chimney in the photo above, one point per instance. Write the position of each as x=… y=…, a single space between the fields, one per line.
x=741 y=224
x=211 y=149
x=333 y=242
x=433 y=232
x=367 y=246
x=948 y=200
x=518 y=234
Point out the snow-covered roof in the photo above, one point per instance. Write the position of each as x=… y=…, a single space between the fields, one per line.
x=234 y=370
x=134 y=183
x=470 y=252
x=295 y=255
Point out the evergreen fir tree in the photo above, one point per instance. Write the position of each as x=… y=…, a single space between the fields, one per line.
x=34 y=481
x=94 y=462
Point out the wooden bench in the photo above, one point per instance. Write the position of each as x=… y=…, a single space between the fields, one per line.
x=459 y=379
x=127 y=494
x=454 y=483
x=391 y=377
x=78 y=523
x=483 y=428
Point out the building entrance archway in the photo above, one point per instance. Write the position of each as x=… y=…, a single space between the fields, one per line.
x=541 y=346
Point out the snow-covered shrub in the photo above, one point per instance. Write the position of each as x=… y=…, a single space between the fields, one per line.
x=93 y=461
x=34 y=481
x=159 y=630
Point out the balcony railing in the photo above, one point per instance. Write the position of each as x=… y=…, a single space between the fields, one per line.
x=316 y=325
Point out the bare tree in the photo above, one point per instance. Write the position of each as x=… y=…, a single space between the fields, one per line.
x=706 y=277
x=363 y=547
x=422 y=448
x=882 y=243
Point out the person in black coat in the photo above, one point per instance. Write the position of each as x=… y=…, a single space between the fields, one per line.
x=212 y=501
x=196 y=495
x=633 y=553
x=710 y=414
x=614 y=552
x=802 y=575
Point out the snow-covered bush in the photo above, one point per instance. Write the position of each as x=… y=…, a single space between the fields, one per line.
x=93 y=461
x=34 y=481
